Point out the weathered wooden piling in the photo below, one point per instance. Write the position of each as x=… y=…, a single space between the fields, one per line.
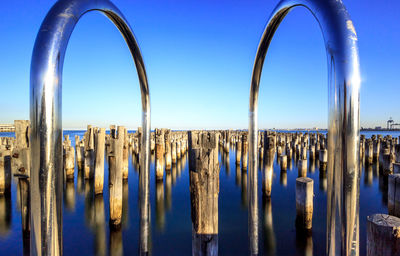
x=377 y=145
x=304 y=202
x=168 y=156
x=383 y=235
x=89 y=152
x=79 y=151
x=99 y=137
x=311 y=150
x=115 y=177
x=204 y=189
x=267 y=174
x=394 y=195
x=173 y=152
x=125 y=156
x=21 y=156
x=69 y=162
x=178 y=149
x=369 y=151
x=5 y=172
x=238 y=152
x=323 y=159
x=387 y=159
x=245 y=149
x=159 y=155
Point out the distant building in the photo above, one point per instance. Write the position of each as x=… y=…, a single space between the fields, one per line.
x=378 y=127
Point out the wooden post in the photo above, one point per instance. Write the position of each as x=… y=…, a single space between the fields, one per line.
x=79 y=150
x=302 y=167
x=159 y=155
x=377 y=146
x=323 y=158
x=204 y=189
x=304 y=202
x=99 y=138
x=245 y=148
x=5 y=172
x=115 y=179
x=268 y=173
x=394 y=195
x=383 y=235
x=173 y=152
x=89 y=153
x=388 y=159
x=125 y=156
x=238 y=152
x=69 y=162
x=178 y=149
x=168 y=157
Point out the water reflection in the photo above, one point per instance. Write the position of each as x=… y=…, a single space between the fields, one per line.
x=100 y=226
x=173 y=174
x=383 y=187
x=69 y=195
x=269 y=234
x=116 y=245
x=283 y=178
x=368 y=175
x=125 y=204
x=244 y=189
x=23 y=191
x=238 y=178
x=89 y=202
x=160 y=211
x=80 y=182
x=168 y=193
x=323 y=181
x=5 y=214
x=304 y=242
x=227 y=163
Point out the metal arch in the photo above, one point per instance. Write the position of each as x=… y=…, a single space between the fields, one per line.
x=343 y=122
x=46 y=121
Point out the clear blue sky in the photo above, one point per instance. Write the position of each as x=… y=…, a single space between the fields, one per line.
x=199 y=57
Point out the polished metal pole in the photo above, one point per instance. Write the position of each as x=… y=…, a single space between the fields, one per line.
x=343 y=122
x=46 y=119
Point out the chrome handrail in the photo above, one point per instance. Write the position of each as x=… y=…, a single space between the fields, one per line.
x=343 y=122
x=46 y=121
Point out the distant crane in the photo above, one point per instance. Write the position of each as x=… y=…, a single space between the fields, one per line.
x=391 y=124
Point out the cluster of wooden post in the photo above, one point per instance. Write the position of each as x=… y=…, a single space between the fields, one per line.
x=15 y=161
x=381 y=149
x=302 y=147
x=169 y=147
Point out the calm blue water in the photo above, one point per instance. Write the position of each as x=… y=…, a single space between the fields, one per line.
x=86 y=230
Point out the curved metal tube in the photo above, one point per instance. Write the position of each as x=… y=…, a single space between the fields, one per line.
x=343 y=126
x=46 y=120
